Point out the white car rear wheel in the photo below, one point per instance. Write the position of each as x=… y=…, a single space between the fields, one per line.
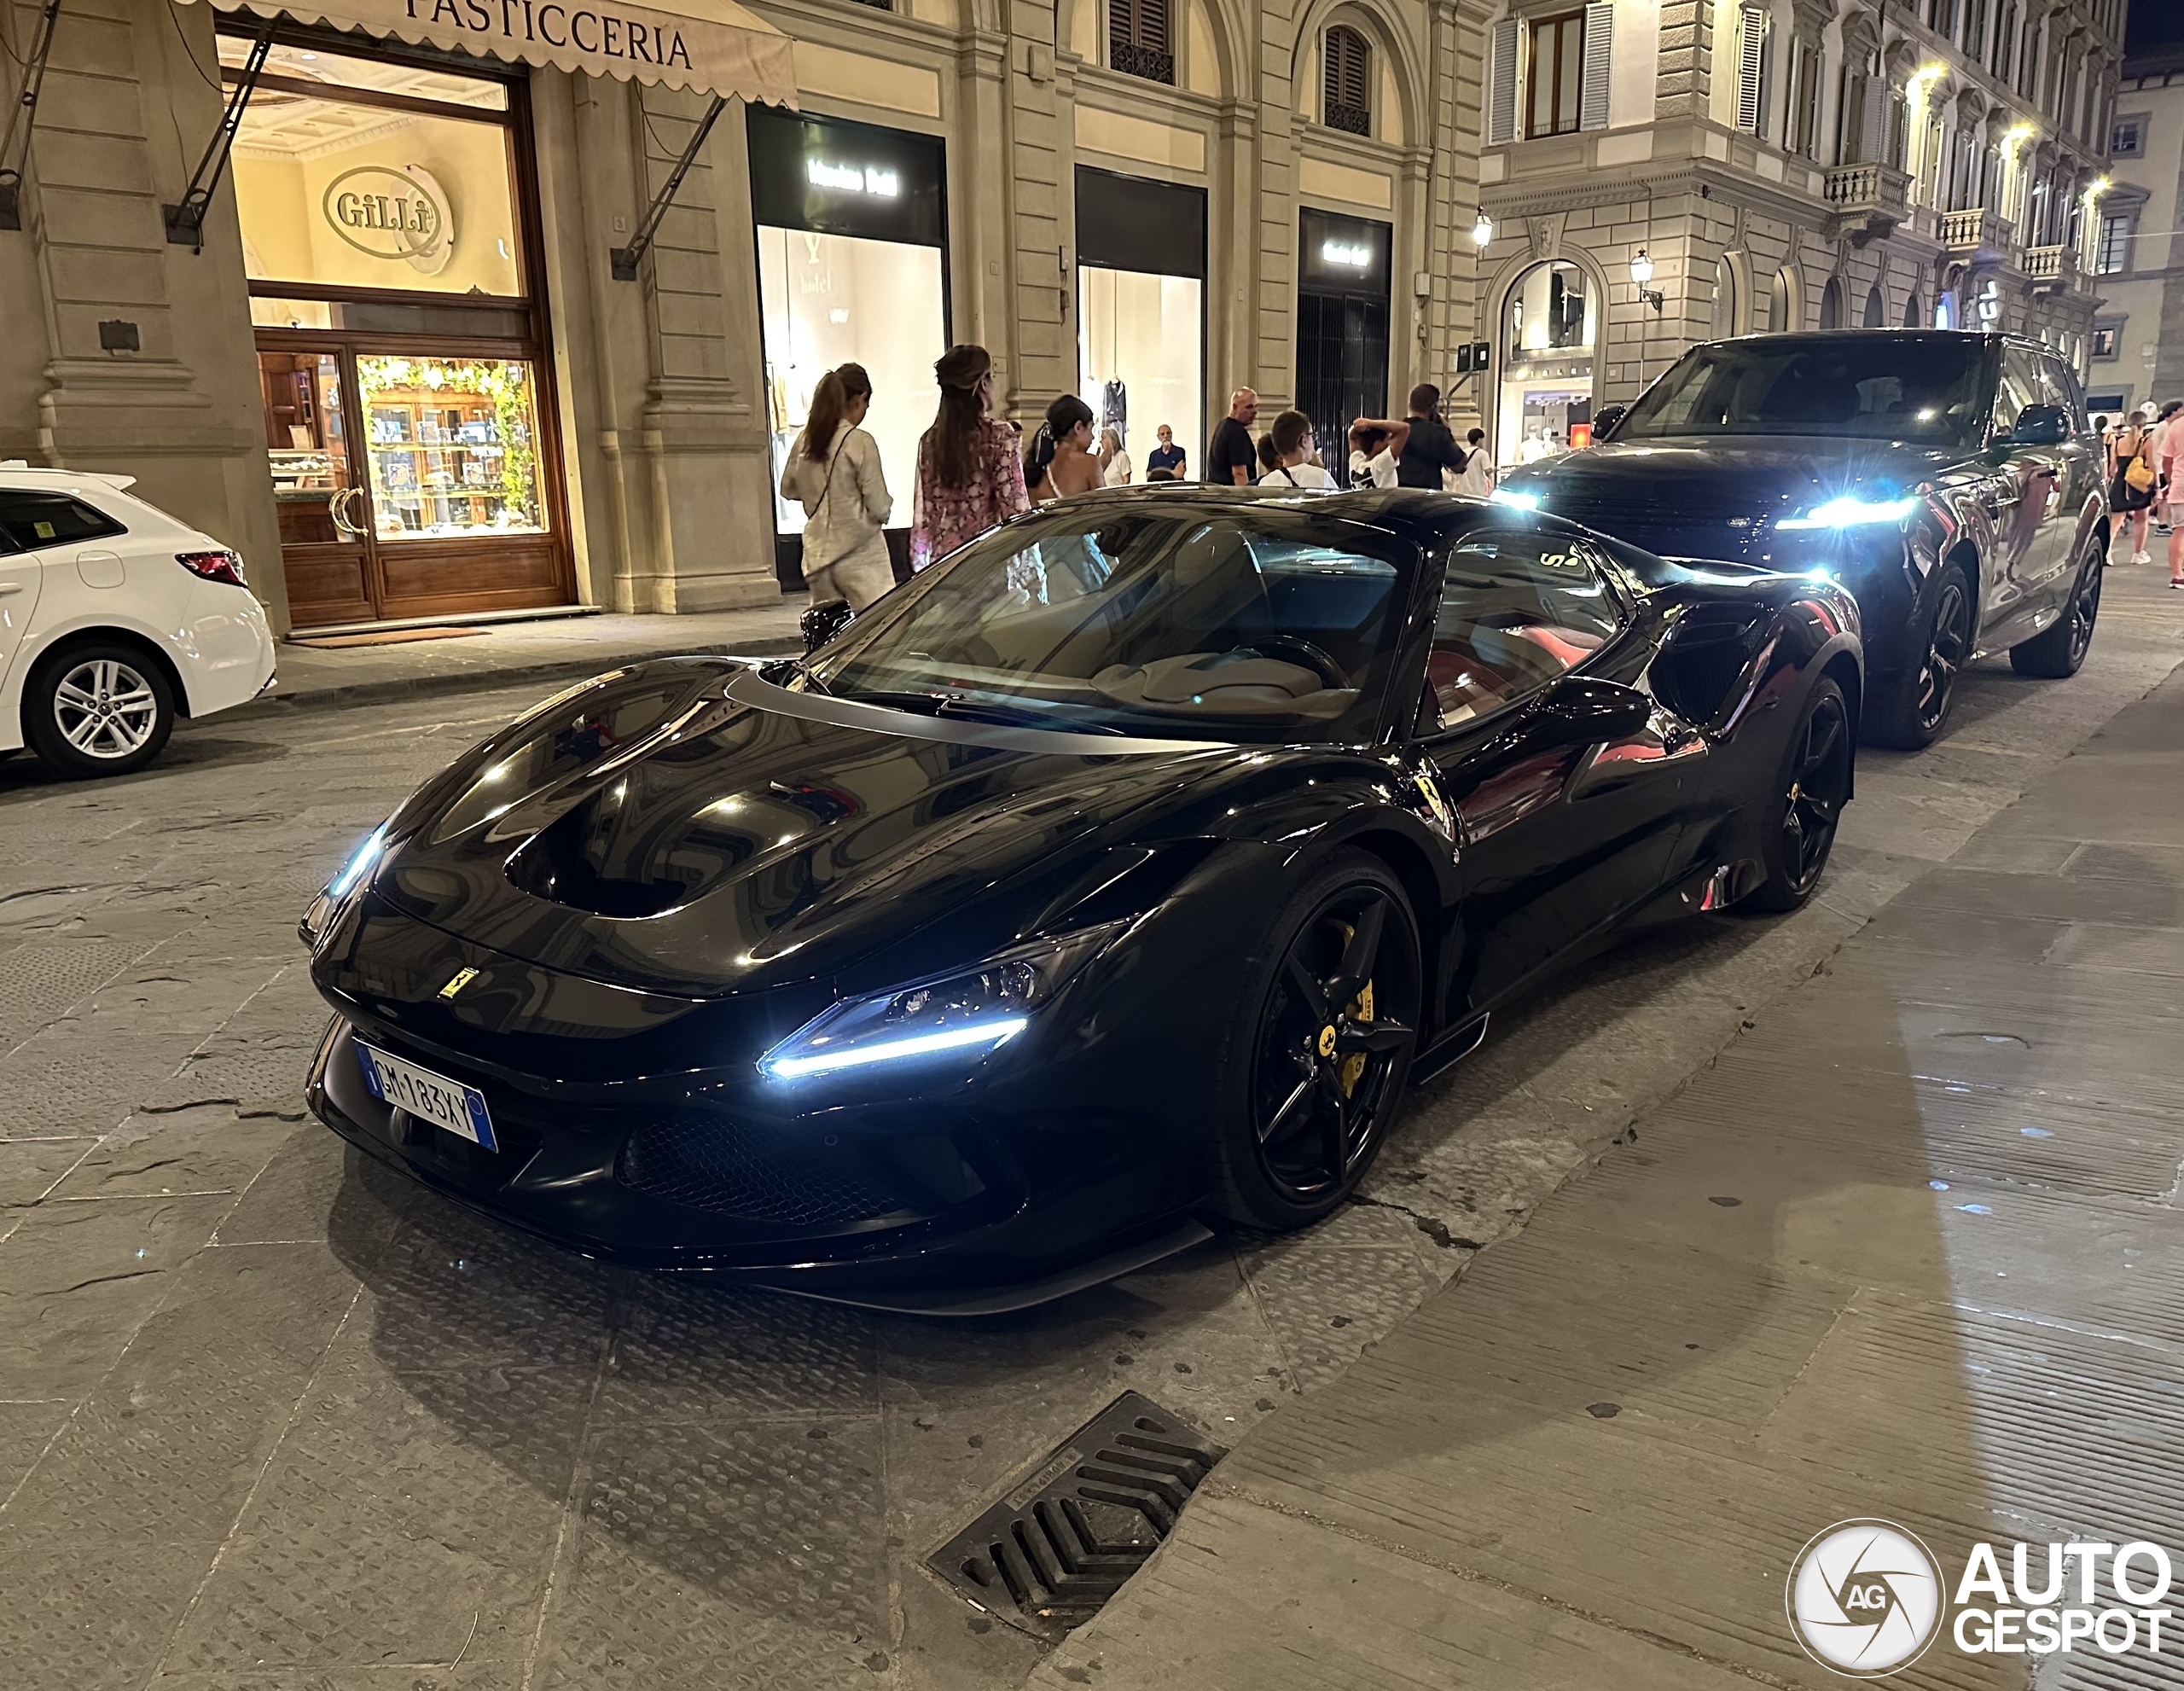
x=97 y=709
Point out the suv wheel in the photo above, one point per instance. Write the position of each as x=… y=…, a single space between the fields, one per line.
x=1913 y=714
x=98 y=708
x=2060 y=648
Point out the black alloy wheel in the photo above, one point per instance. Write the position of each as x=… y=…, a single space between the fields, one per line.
x=2057 y=652
x=1816 y=784
x=1336 y=1028
x=1949 y=647
x=1911 y=713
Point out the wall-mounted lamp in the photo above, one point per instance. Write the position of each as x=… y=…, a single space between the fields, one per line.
x=1642 y=272
x=1482 y=231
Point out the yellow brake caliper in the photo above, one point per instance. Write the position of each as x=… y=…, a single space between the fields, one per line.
x=1361 y=1010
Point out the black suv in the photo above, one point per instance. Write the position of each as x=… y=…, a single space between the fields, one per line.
x=1949 y=480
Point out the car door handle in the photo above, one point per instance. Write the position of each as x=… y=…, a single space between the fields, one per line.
x=7 y=587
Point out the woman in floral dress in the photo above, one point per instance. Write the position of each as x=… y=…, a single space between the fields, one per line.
x=969 y=477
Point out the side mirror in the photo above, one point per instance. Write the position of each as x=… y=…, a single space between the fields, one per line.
x=2041 y=426
x=821 y=623
x=1581 y=710
x=1606 y=419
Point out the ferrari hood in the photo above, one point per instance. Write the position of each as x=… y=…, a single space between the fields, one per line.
x=680 y=829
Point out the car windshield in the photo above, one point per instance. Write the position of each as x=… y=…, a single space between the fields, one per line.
x=1255 y=622
x=1857 y=386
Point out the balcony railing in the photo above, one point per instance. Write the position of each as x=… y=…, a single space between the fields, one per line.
x=1148 y=62
x=1975 y=233
x=1871 y=197
x=1355 y=119
x=2051 y=270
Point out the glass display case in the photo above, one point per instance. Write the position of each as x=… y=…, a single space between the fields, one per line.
x=452 y=446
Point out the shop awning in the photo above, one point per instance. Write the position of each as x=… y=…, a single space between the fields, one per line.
x=711 y=46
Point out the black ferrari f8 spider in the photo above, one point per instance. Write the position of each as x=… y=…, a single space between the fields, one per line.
x=1114 y=876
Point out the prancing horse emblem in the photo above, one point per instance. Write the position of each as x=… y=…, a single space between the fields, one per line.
x=457 y=981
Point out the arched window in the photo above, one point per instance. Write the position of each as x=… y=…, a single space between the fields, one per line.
x=1913 y=316
x=1139 y=41
x=1725 y=300
x=1781 y=304
x=1876 y=309
x=1831 y=305
x=1346 y=80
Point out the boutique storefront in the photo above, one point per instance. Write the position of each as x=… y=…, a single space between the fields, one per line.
x=851 y=224
x=1140 y=310
x=1550 y=330
x=1342 y=323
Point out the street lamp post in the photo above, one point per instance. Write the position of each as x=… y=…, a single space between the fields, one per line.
x=1641 y=273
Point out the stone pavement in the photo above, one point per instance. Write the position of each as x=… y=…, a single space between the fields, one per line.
x=547 y=653
x=1910 y=1247
x=270 y=1419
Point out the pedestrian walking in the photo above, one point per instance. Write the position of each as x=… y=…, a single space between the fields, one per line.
x=1376 y=444
x=2131 y=488
x=1060 y=461
x=1114 y=462
x=1476 y=479
x=1285 y=456
x=2168 y=483
x=1167 y=461
x=1431 y=448
x=833 y=472
x=969 y=477
x=1231 y=459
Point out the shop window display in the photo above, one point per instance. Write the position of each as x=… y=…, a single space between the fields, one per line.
x=452 y=446
x=830 y=300
x=1141 y=351
x=349 y=193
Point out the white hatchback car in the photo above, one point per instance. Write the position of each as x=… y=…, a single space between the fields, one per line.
x=114 y=620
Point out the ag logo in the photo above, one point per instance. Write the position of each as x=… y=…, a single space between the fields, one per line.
x=1865 y=1598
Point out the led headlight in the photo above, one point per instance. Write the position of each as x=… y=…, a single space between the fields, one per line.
x=351 y=879
x=1848 y=512
x=966 y=1016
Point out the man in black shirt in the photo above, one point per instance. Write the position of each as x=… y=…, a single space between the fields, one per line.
x=1232 y=459
x=1431 y=448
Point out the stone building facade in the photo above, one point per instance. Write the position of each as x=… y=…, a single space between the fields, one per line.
x=2137 y=355
x=1780 y=164
x=552 y=435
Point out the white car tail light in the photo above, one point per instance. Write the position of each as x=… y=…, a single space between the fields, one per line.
x=221 y=567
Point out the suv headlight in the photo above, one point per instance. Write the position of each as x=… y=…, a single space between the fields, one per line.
x=966 y=1015
x=1852 y=513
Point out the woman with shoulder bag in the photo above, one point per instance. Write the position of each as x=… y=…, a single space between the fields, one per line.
x=833 y=472
x=2130 y=495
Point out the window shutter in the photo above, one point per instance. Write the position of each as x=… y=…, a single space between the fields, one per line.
x=1750 y=46
x=1151 y=24
x=1345 y=80
x=1599 y=46
x=1502 y=100
x=1120 y=35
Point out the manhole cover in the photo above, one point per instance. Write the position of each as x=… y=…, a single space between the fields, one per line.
x=1058 y=1546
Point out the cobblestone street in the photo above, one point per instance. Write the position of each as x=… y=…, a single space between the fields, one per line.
x=271 y=1418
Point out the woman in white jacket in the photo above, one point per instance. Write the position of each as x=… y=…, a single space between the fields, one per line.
x=833 y=472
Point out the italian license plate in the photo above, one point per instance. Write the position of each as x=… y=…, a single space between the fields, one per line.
x=430 y=1097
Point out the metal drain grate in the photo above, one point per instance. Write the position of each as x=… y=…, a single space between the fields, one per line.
x=1056 y=1547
